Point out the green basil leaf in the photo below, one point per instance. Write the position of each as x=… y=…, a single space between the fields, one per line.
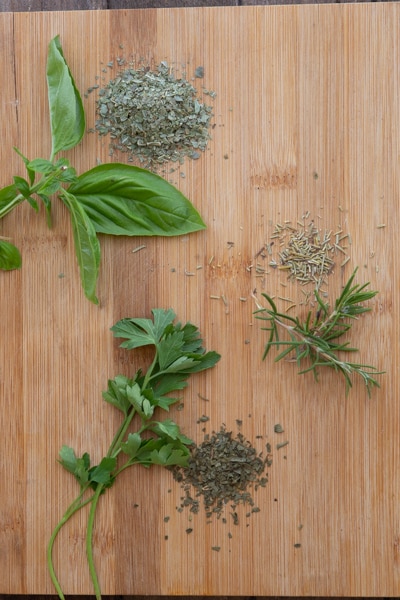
x=7 y=199
x=30 y=171
x=22 y=186
x=49 y=187
x=47 y=204
x=68 y=175
x=10 y=257
x=87 y=245
x=67 y=117
x=33 y=203
x=41 y=165
x=127 y=200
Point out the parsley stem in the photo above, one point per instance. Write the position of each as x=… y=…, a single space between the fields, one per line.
x=74 y=507
x=89 y=540
x=115 y=446
x=149 y=372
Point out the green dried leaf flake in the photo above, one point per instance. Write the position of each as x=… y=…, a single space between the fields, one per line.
x=153 y=116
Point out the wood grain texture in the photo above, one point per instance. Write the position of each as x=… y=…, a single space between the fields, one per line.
x=306 y=119
x=53 y=5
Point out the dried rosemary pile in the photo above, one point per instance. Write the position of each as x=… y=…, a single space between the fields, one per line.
x=221 y=470
x=307 y=254
x=153 y=116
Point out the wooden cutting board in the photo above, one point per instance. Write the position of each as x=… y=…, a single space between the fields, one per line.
x=306 y=121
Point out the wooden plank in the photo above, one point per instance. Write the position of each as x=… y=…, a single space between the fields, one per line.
x=306 y=119
x=52 y=5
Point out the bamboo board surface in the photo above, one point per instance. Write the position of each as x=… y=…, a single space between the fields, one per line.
x=306 y=119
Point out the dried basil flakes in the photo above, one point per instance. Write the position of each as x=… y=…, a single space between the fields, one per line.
x=153 y=116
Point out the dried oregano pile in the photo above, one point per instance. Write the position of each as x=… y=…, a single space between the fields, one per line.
x=154 y=116
x=221 y=471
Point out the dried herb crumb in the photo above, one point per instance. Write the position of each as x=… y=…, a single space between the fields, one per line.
x=199 y=72
x=203 y=419
x=154 y=116
x=282 y=445
x=221 y=470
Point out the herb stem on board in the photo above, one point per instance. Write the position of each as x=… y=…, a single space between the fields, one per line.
x=178 y=354
x=315 y=339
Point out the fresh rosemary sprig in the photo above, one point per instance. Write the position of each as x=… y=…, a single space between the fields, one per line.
x=316 y=339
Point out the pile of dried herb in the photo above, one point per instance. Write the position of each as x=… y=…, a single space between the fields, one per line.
x=153 y=116
x=308 y=253
x=221 y=470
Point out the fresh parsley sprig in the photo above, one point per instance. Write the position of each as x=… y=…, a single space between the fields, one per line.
x=178 y=353
x=316 y=339
x=113 y=198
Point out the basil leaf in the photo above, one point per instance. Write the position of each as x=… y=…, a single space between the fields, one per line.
x=30 y=171
x=8 y=199
x=10 y=257
x=67 y=117
x=87 y=245
x=22 y=186
x=47 y=204
x=127 y=200
x=41 y=165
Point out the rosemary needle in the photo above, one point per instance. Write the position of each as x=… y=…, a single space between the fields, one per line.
x=316 y=339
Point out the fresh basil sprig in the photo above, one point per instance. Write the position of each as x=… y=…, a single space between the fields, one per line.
x=113 y=198
x=178 y=354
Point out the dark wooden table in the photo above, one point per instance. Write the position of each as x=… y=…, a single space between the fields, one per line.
x=47 y=5
x=41 y=5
